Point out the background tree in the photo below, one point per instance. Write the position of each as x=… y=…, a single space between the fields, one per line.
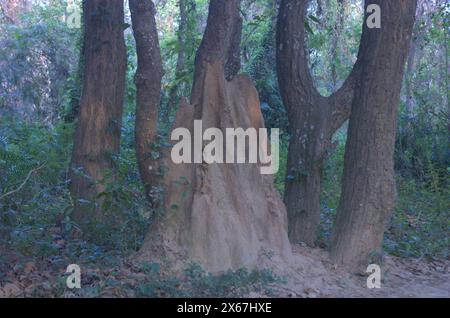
x=422 y=119
x=97 y=137
x=368 y=188
x=148 y=84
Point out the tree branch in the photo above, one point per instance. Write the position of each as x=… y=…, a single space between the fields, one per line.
x=340 y=103
x=24 y=182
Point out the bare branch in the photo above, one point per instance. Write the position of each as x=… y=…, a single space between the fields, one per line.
x=24 y=182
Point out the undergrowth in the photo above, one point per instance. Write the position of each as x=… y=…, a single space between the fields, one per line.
x=36 y=206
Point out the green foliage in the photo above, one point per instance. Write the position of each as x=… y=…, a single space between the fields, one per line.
x=29 y=212
x=125 y=217
x=333 y=41
x=38 y=56
x=280 y=177
x=258 y=59
x=421 y=222
x=179 y=81
x=422 y=147
x=39 y=213
x=331 y=187
x=107 y=277
x=197 y=283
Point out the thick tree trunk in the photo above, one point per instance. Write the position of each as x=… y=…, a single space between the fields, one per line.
x=97 y=137
x=219 y=215
x=368 y=190
x=313 y=119
x=148 y=84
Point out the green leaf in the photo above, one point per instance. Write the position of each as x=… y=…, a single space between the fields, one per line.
x=313 y=18
x=308 y=28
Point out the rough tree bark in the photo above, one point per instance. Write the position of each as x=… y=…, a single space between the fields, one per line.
x=313 y=119
x=97 y=136
x=219 y=215
x=368 y=189
x=148 y=84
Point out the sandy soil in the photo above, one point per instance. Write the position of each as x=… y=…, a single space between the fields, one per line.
x=314 y=276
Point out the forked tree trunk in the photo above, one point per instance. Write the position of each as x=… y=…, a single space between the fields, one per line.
x=97 y=137
x=148 y=84
x=313 y=119
x=219 y=215
x=368 y=190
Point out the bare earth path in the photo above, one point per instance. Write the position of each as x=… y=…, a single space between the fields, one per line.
x=314 y=276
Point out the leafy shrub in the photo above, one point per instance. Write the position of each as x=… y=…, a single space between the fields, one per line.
x=34 y=163
x=197 y=283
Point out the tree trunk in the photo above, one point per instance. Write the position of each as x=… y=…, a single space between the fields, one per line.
x=97 y=137
x=368 y=189
x=148 y=84
x=221 y=216
x=313 y=119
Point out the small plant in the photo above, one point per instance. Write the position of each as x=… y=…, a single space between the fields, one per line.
x=197 y=283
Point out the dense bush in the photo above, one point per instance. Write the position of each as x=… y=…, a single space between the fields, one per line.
x=38 y=61
x=35 y=204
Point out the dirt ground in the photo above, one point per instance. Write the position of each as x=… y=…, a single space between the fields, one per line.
x=310 y=275
x=315 y=277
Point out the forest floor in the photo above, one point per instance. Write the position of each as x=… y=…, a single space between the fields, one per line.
x=316 y=276
x=312 y=276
